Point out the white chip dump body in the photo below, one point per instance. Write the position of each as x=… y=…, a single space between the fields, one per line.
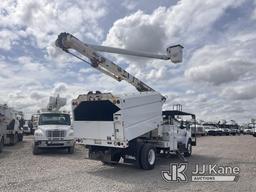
x=106 y=120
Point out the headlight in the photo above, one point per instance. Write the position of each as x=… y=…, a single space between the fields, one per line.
x=38 y=134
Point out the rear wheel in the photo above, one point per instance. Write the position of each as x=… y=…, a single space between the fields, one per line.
x=147 y=157
x=21 y=137
x=188 y=151
x=36 y=150
x=71 y=149
x=14 y=139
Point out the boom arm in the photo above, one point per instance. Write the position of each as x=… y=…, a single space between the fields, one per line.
x=55 y=103
x=67 y=41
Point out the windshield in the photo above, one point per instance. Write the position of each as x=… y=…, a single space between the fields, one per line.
x=54 y=119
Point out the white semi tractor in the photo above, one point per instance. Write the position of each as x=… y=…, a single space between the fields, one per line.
x=11 y=131
x=133 y=126
x=1 y=133
x=54 y=128
x=252 y=127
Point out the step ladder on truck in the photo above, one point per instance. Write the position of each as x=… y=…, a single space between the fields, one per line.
x=129 y=126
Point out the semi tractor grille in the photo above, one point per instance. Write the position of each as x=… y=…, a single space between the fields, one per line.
x=56 y=134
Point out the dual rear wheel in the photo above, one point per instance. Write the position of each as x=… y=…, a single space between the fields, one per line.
x=147 y=157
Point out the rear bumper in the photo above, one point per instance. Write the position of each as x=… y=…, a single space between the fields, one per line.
x=54 y=144
x=102 y=143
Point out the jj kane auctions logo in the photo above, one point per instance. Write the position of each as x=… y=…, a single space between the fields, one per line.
x=203 y=173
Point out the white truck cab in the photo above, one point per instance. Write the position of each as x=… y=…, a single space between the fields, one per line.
x=54 y=129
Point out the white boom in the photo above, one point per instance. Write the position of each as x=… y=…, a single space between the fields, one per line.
x=67 y=41
x=55 y=103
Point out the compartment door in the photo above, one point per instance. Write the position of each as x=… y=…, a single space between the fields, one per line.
x=118 y=127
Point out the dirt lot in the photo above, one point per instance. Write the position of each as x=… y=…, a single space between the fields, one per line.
x=59 y=171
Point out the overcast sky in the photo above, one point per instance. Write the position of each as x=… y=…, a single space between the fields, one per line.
x=217 y=79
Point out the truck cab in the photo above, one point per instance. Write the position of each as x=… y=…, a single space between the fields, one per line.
x=1 y=133
x=212 y=129
x=10 y=124
x=54 y=131
x=252 y=127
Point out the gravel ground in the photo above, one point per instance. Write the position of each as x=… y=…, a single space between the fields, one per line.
x=58 y=171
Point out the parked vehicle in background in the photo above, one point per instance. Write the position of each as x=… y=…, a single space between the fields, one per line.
x=225 y=129
x=54 y=128
x=219 y=131
x=198 y=129
x=11 y=125
x=234 y=130
x=212 y=128
x=248 y=130
x=26 y=128
x=253 y=128
x=1 y=131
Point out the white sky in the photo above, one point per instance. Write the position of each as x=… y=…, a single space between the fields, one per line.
x=217 y=79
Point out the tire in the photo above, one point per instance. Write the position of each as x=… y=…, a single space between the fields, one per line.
x=254 y=135
x=1 y=144
x=36 y=150
x=116 y=157
x=71 y=150
x=20 y=137
x=147 y=157
x=188 y=151
x=14 y=139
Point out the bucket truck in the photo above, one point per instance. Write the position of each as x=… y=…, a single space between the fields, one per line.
x=1 y=131
x=54 y=128
x=10 y=130
x=132 y=126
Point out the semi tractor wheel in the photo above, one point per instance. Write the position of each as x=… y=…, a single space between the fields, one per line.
x=188 y=151
x=36 y=150
x=1 y=144
x=21 y=137
x=147 y=157
x=14 y=139
x=71 y=149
